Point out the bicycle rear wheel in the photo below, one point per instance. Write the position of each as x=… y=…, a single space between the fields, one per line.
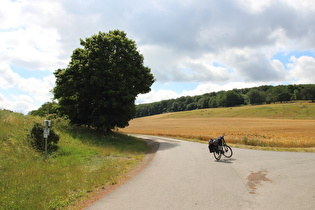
x=227 y=151
x=217 y=154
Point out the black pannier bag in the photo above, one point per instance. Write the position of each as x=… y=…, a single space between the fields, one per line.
x=215 y=144
x=211 y=145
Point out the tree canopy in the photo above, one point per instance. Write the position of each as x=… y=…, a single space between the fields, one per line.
x=46 y=109
x=256 y=95
x=102 y=81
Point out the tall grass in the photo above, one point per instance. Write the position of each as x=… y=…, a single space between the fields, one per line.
x=86 y=159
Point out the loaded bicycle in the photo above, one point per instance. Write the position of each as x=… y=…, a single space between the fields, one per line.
x=219 y=147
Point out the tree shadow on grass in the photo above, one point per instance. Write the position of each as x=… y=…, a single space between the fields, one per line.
x=118 y=141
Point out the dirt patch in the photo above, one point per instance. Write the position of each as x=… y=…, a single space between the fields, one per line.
x=255 y=178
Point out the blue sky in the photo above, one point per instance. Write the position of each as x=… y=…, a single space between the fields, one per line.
x=192 y=46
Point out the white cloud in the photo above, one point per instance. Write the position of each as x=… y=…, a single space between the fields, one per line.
x=38 y=88
x=34 y=92
x=33 y=48
x=24 y=98
x=44 y=13
x=307 y=5
x=21 y=103
x=252 y=65
x=303 y=69
x=158 y=95
x=203 y=70
x=7 y=77
x=29 y=34
x=255 y=6
x=2 y=98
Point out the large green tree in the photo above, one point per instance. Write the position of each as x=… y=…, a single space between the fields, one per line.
x=230 y=98
x=256 y=96
x=309 y=92
x=102 y=81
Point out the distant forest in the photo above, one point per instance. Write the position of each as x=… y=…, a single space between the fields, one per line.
x=257 y=95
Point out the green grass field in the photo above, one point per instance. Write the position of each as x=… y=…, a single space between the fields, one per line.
x=296 y=110
x=86 y=160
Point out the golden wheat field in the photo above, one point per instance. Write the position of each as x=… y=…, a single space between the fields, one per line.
x=239 y=130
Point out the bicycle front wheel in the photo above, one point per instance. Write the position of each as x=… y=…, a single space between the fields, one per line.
x=227 y=151
x=217 y=154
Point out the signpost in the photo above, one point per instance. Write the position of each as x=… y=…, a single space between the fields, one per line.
x=47 y=125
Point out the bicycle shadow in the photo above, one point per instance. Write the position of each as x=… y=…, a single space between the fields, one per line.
x=226 y=160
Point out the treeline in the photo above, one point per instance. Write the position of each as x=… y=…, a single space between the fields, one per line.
x=257 y=95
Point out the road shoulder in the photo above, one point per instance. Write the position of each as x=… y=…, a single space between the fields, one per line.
x=103 y=191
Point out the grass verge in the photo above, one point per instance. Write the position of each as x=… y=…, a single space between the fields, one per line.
x=86 y=160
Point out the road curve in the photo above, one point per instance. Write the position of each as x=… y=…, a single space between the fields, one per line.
x=184 y=175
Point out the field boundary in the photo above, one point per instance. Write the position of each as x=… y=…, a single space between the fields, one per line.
x=242 y=146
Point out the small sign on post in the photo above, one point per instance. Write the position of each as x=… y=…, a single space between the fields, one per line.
x=46 y=132
x=47 y=125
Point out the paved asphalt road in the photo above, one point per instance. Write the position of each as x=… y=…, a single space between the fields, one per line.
x=184 y=175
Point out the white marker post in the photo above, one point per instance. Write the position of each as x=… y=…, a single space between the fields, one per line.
x=47 y=125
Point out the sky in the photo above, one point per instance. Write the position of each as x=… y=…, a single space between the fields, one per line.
x=192 y=46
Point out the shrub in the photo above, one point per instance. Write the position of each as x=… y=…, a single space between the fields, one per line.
x=37 y=138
